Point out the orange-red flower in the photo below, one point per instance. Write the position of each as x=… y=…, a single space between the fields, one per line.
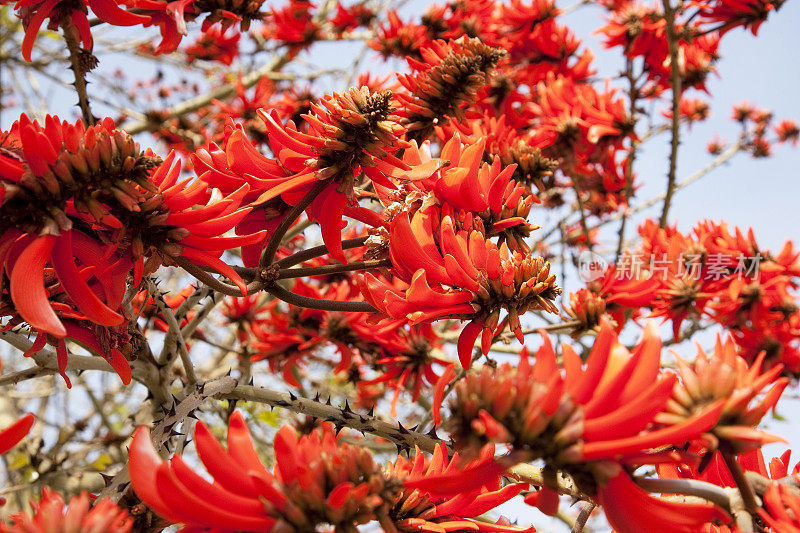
x=781 y=510
x=214 y=45
x=349 y=134
x=462 y=275
x=724 y=376
x=399 y=38
x=60 y=12
x=11 y=435
x=446 y=80
x=293 y=25
x=733 y=13
x=475 y=191
x=627 y=507
x=53 y=515
x=316 y=481
x=581 y=420
x=171 y=16
x=421 y=507
x=83 y=207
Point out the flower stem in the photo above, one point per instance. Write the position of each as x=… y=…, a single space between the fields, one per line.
x=332 y=269
x=208 y=279
x=268 y=255
x=748 y=497
x=580 y=523
x=315 y=303
x=316 y=251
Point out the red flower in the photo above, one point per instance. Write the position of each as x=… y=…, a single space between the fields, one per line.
x=11 y=435
x=214 y=45
x=34 y=13
x=733 y=13
x=627 y=507
x=616 y=295
x=288 y=337
x=582 y=421
x=99 y=212
x=781 y=510
x=294 y=25
x=244 y=313
x=354 y=135
x=437 y=510
x=462 y=275
x=399 y=38
x=470 y=188
x=724 y=376
x=171 y=16
x=316 y=481
x=788 y=131
x=445 y=81
x=573 y=118
x=352 y=17
x=635 y=27
x=52 y=515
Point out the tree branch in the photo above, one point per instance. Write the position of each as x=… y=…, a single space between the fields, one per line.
x=315 y=303
x=333 y=269
x=162 y=430
x=675 y=80
x=268 y=255
x=77 y=67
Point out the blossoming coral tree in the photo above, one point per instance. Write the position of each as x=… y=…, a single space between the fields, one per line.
x=354 y=270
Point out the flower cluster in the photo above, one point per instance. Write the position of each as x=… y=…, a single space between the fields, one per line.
x=169 y=17
x=53 y=515
x=353 y=133
x=726 y=277
x=316 y=481
x=113 y=209
x=444 y=261
x=619 y=411
x=395 y=355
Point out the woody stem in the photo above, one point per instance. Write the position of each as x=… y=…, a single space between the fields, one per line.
x=315 y=303
x=268 y=255
x=316 y=251
x=332 y=269
x=633 y=95
x=77 y=68
x=675 y=80
x=748 y=496
x=580 y=523
x=206 y=278
x=584 y=224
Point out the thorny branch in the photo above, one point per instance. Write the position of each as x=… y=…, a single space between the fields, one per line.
x=675 y=80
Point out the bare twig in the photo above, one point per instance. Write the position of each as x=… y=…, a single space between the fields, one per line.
x=174 y=335
x=70 y=36
x=333 y=269
x=268 y=255
x=315 y=303
x=46 y=361
x=748 y=497
x=583 y=517
x=675 y=80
